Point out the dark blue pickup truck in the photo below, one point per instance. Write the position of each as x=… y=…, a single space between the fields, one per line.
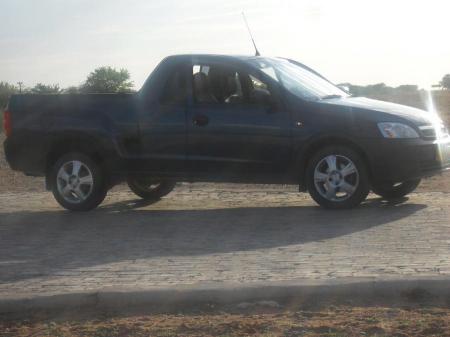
x=229 y=119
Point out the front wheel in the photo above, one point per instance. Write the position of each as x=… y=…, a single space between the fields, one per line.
x=395 y=191
x=336 y=178
x=77 y=182
x=149 y=189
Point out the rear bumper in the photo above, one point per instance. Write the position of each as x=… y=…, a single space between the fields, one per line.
x=401 y=160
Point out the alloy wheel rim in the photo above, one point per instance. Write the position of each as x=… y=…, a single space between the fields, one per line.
x=336 y=178
x=74 y=181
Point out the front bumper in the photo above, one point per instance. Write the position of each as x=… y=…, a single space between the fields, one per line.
x=405 y=159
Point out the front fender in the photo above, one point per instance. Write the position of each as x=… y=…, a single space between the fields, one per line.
x=306 y=149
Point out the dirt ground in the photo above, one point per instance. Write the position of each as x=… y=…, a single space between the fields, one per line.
x=258 y=321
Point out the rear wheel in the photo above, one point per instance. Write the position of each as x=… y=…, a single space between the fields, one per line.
x=336 y=178
x=150 y=189
x=395 y=191
x=77 y=182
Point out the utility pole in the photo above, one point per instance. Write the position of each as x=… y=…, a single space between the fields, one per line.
x=20 y=86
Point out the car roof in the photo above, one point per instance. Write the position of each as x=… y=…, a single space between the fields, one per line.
x=221 y=57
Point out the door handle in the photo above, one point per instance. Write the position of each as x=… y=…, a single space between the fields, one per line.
x=200 y=120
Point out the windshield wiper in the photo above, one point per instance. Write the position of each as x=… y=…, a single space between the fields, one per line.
x=331 y=96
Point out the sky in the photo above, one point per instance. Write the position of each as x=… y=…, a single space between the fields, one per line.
x=357 y=41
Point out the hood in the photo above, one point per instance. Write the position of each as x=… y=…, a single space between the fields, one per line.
x=390 y=111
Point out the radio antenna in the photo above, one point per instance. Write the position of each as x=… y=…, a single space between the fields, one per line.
x=251 y=36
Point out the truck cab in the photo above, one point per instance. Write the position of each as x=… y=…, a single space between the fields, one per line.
x=215 y=119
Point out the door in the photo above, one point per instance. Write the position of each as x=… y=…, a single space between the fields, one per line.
x=237 y=126
x=163 y=122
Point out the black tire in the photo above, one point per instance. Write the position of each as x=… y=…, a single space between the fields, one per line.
x=358 y=180
x=392 y=192
x=97 y=190
x=147 y=189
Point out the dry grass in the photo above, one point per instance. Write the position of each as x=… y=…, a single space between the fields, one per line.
x=333 y=321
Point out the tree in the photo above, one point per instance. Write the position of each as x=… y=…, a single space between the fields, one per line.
x=445 y=83
x=45 y=89
x=72 y=90
x=378 y=89
x=107 y=79
x=407 y=88
x=370 y=90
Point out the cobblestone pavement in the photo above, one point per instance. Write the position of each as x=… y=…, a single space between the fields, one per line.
x=214 y=234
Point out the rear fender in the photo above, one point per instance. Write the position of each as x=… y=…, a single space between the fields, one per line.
x=99 y=149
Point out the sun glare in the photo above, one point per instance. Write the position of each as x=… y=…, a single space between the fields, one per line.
x=436 y=120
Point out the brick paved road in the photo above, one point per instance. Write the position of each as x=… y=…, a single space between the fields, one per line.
x=214 y=234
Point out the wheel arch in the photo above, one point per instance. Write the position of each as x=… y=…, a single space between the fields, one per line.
x=306 y=152
x=86 y=144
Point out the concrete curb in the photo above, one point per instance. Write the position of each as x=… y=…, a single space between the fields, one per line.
x=396 y=292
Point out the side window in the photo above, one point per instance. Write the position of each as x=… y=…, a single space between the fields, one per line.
x=216 y=84
x=233 y=88
x=259 y=91
x=227 y=85
x=175 y=89
x=257 y=84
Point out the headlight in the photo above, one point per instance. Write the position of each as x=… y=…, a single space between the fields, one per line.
x=397 y=130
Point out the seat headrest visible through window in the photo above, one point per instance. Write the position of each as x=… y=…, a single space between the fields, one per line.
x=202 y=89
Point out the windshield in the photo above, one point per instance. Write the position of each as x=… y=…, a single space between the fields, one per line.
x=297 y=80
